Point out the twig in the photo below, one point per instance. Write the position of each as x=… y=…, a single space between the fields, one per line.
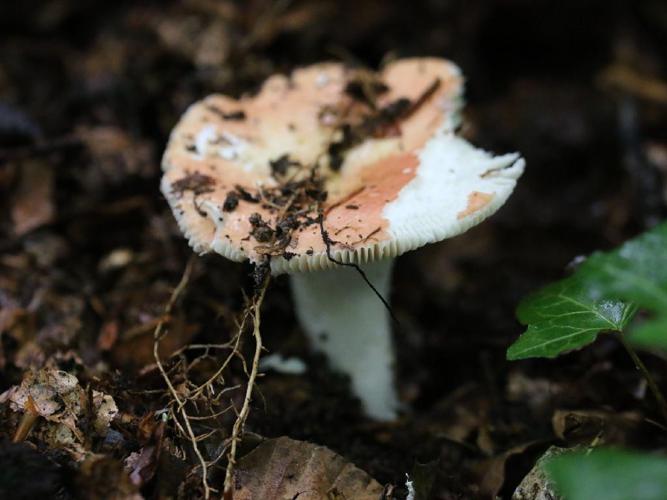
x=222 y=367
x=237 y=430
x=181 y=403
x=652 y=385
x=327 y=244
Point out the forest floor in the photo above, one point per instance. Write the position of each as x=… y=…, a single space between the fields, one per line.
x=90 y=252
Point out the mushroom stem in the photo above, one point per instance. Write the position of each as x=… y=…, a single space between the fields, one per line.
x=345 y=320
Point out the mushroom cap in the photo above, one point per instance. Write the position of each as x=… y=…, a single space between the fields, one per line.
x=412 y=183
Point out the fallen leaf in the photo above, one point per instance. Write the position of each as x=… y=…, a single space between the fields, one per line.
x=493 y=470
x=135 y=345
x=108 y=336
x=283 y=468
x=45 y=391
x=584 y=425
x=141 y=465
x=32 y=205
x=57 y=397
x=536 y=485
x=105 y=411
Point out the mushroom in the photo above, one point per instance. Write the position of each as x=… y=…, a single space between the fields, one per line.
x=327 y=173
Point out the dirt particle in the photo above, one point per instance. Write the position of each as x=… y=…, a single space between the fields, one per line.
x=280 y=165
x=196 y=182
x=238 y=115
x=245 y=195
x=231 y=201
x=261 y=231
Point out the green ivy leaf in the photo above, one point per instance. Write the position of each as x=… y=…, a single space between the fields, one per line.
x=563 y=317
x=651 y=334
x=635 y=272
x=609 y=474
x=602 y=296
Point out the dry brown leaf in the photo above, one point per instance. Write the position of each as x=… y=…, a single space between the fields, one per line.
x=492 y=470
x=30 y=356
x=283 y=468
x=584 y=425
x=45 y=390
x=32 y=205
x=141 y=465
x=105 y=411
x=135 y=345
x=57 y=397
x=108 y=335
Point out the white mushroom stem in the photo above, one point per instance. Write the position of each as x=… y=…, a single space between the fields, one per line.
x=346 y=320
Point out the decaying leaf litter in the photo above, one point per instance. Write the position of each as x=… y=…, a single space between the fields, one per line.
x=84 y=287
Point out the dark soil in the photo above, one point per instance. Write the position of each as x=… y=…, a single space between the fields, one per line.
x=90 y=252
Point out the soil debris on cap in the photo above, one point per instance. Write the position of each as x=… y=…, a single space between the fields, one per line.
x=294 y=201
x=260 y=229
x=196 y=182
x=231 y=201
x=280 y=165
x=345 y=153
x=365 y=86
x=381 y=122
x=243 y=194
x=231 y=115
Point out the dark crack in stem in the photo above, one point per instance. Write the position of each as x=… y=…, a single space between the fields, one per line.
x=327 y=244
